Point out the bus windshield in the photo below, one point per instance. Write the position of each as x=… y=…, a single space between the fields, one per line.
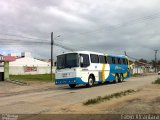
x=67 y=61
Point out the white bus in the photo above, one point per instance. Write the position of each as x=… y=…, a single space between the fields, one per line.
x=85 y=67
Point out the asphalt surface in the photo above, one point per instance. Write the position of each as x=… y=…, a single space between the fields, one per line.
x=48 y=100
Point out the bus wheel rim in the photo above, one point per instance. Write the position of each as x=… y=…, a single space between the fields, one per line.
x=90 y=81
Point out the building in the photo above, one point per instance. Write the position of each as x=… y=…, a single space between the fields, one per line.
x=26 y=64
x=140 y=67
x=1 y=67
x=4 y=66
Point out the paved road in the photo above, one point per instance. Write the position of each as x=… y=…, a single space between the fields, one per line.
x=48 y=101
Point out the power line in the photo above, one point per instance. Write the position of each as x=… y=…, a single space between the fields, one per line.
x=116 y=27
x=150 y=17
x=62 y=46
x=20 y=42
x=137 y=60
x=21 y=36
x=12 y=41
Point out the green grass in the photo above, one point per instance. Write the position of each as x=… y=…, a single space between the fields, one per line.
x=40 y=77
x=157 y=81
x=108 y=97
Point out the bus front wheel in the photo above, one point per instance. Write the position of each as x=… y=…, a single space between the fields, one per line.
x=90 y=81
x=72 y=85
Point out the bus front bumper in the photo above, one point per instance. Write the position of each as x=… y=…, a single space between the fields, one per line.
x=75 y=80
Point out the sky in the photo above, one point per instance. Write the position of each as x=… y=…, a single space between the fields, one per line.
x=106 y=26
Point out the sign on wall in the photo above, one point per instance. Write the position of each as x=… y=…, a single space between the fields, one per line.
x=30 y=69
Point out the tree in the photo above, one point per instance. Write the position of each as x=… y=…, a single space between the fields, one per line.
x=143 y=60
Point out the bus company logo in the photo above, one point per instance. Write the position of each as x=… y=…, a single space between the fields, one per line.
x=118 y=68
x=64 y=75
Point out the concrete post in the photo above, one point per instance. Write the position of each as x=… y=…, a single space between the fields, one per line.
x=6 y=70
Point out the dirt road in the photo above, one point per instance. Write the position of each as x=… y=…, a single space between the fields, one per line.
x=52 y=99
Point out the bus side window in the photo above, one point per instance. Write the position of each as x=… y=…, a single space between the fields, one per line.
x=126 y=61
x=94 y=58
x=119 y=61
x=109 y=59
x=113 y=60
x=116 y=60
x=106 y=61
x=102 y=59
x=86 y=62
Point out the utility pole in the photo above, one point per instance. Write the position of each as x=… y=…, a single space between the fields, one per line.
x=52 y=42
x=155 y=60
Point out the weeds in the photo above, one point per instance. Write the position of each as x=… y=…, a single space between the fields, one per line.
x=157 y=81
x=108 y=97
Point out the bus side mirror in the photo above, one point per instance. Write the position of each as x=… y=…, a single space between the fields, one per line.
x=81 y=60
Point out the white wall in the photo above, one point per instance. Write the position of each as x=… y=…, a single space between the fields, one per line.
x=19 y=70
x=138 y=70
x=1 y=67
x=27 y=61
x=19 y=66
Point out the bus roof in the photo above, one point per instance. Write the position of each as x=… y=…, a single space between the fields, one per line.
x=84 y=52
x=90 y=52
x=119 y=56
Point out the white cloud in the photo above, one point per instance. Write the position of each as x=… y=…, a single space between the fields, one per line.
x=55 y=12
x=104 y=26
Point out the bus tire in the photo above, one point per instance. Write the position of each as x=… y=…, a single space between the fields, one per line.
x=116 y=78
x=120 y=78
x=72 y=85
x=90 y=81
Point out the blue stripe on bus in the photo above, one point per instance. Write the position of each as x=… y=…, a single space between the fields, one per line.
x=74 y=80
x=117 y=68
x=114 y=68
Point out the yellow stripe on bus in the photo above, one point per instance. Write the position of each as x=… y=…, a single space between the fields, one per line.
x=125 y=74
x=103 y=72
